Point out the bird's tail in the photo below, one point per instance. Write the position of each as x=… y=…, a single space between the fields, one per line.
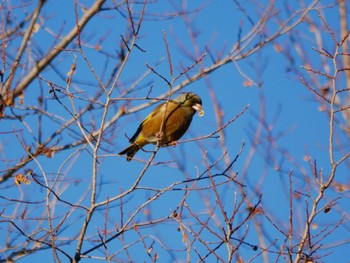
x=130 y=151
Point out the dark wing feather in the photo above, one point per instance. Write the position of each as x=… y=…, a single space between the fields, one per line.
x=139 y=129
x=177 y=124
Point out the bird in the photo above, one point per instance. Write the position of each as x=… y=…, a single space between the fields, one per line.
x=166 y=124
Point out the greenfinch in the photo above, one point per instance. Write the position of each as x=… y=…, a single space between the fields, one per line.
x=166 y=124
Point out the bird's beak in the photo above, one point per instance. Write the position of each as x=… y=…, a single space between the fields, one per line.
x=198 y=108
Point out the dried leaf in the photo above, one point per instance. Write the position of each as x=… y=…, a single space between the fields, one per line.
x=9 y=101
x=20 y=178
x=49 y=153
x=146 y=211
x=98 y=47
x=278 y=47
x=296 y=195
x=155 y=257
x=254 y=210
x=322 y=108
x=307 y=158
x=37 y=244
x=340 y=188
x=36 y=27
x=247 y=83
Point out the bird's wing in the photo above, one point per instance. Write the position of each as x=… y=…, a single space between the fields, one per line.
x=177 y=124
x=155 y=112
x=136 y=133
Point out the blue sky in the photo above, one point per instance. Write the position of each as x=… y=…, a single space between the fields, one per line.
x=290 y=109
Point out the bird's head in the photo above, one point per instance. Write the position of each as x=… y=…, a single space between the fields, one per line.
x=191 y=100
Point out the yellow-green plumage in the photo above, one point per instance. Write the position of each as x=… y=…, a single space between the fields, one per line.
x=173 y=117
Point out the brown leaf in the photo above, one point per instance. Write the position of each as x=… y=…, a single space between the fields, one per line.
x=340 y=188
x=49 y=153
x=278 y=47
x=20 y=178
x=98 y=47
x=36 y=27
x=136 y=228
x=247 y=83
x=307 y=158
x=146 y=212
x=296 y=195
x=155 y=257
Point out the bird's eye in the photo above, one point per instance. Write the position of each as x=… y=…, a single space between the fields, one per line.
x=194 y=101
